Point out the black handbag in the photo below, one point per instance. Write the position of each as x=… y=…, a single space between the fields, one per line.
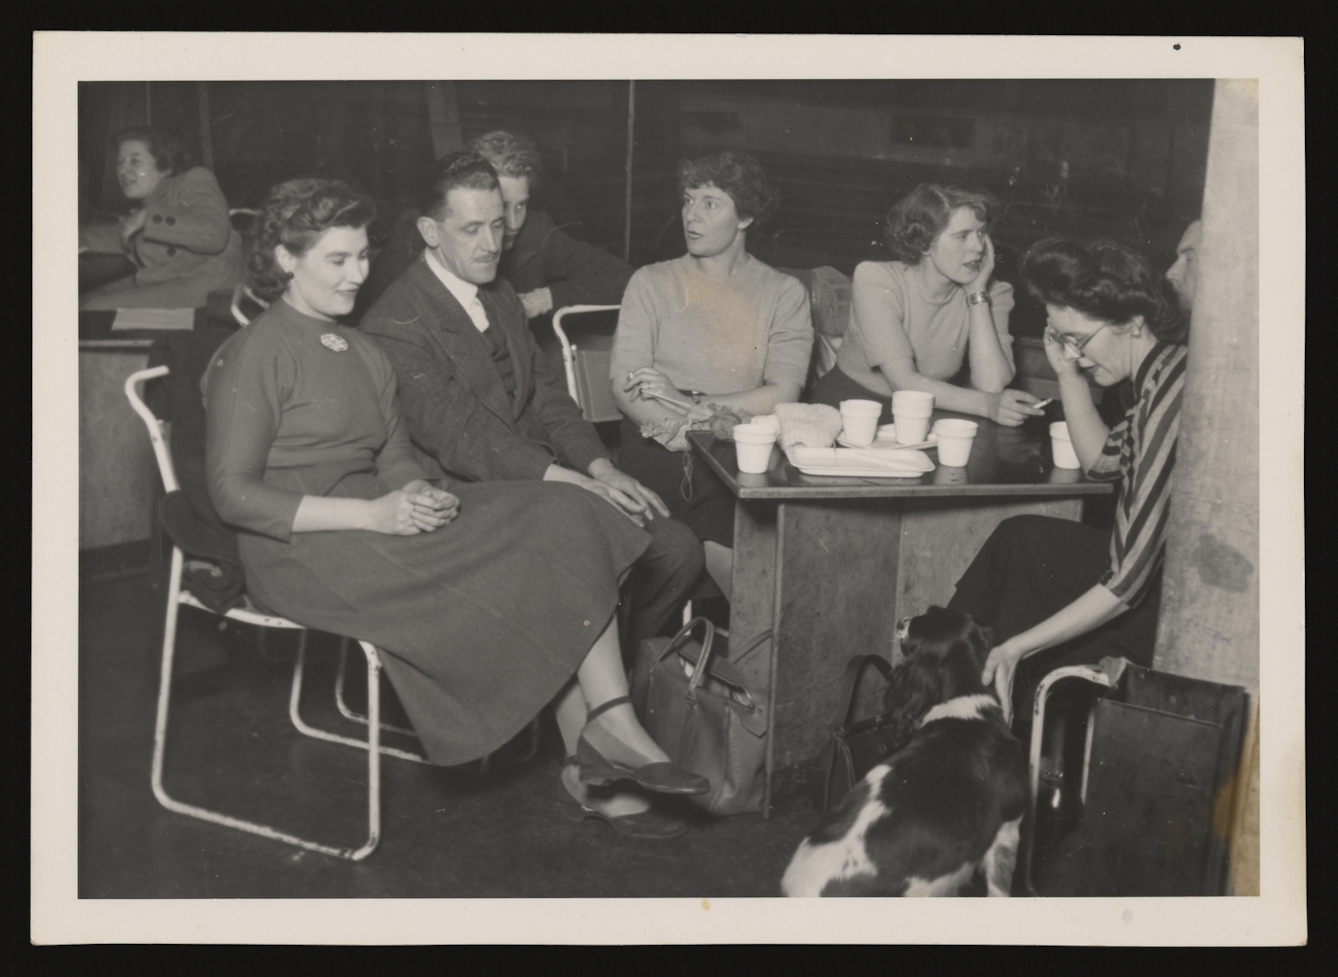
x=856 y=746
x=706 y=716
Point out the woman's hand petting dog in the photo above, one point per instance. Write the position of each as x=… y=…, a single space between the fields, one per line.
x=999 y=669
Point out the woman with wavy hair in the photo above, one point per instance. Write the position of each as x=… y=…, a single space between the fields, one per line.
x=178 y=234
x=715 y=325
x=916 y=320
x=490 y=600
x=1058 y=592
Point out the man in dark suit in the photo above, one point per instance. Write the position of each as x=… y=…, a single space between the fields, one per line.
x=480 y=401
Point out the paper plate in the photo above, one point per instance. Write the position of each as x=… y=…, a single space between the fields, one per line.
x=861 y=462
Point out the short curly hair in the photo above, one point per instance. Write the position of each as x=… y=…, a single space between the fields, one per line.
x=739 y=175
x=1106 y=280
x=296 y=213
x=511 y=154
x=169 y=154
x=917 y=219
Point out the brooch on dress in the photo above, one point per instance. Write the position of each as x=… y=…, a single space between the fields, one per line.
x=337 y=343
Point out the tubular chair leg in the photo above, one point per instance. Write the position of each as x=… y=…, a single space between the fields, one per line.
x=217 y=817
x=373 y=721
x=344 y=709
x=1097 y=677
x=373 y=745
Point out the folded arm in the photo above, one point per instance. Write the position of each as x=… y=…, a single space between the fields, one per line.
x=192 y=214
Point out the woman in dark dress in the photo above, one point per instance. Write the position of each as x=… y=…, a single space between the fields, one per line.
x=489 y=601
x=1062 y=593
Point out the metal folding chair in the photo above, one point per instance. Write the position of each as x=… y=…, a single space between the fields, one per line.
x=587 y=366
x=1089 y=673
x=241 y=292
x=177 y=596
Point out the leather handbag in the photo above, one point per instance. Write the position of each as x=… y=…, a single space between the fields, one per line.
x=856 y=746
x=702 y=711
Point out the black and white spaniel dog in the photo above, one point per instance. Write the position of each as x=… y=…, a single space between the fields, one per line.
x=947 y=802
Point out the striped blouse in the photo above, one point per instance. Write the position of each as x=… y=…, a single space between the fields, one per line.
x=1140 y=450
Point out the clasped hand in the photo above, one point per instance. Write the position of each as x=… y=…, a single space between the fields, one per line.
x=419 y=507
x=625 y=492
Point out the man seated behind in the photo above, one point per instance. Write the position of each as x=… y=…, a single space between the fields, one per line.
x=479 y=401
x=547 y=266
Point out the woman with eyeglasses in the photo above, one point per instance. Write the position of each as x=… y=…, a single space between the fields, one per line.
x=1058 y=592
x=917 y=321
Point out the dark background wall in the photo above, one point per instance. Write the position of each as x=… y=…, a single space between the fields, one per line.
x=1083 y=157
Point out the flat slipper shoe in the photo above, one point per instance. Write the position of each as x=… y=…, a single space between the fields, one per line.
x=645 y=824
x=662 y=777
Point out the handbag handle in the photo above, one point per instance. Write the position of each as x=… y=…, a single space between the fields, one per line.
x=684 y=633
x=850 y=680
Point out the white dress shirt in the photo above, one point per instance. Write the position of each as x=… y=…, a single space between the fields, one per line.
x=466 y=293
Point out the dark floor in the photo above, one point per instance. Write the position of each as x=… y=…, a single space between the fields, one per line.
x=445 y=833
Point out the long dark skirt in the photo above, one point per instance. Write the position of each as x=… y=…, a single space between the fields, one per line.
x=482 y=622
x=689 y=488
x=1030 y=568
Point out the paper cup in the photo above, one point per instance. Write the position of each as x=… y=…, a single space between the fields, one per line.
x=752 y=446
x=910 y=413
x=955 y=437
x=1061 y=447
x=859 y=420
x=912 y=400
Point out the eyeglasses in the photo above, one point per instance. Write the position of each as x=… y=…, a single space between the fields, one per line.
x=1071 y=345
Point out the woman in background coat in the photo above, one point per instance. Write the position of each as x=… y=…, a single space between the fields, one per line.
x=180 y=236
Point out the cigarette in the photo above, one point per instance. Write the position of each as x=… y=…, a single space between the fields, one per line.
x=1043 y=403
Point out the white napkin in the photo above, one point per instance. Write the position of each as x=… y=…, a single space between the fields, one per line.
x=808 y=425
x=153 y=319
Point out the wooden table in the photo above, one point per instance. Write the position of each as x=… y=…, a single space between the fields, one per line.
x=830 y=564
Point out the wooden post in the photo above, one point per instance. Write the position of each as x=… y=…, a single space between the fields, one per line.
x=1209 y=627
x=443 y=112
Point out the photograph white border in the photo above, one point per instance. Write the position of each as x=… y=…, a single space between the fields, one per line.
x=61 y=60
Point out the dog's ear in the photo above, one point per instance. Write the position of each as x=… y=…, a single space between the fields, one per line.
x=915 y=687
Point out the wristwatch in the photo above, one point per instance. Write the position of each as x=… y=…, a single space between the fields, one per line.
x=978 y=298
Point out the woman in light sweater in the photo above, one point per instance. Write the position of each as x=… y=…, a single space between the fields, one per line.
x=917 y=320
x=715 y=325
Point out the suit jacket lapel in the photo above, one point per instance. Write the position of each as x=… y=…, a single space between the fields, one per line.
x=459 y=338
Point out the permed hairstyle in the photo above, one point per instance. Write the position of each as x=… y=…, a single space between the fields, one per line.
x=169 y=155
x=455 y=171
x=739 y=175
x=1105 y=280
x=918 y=218
x=296 y=214
x=510 y=154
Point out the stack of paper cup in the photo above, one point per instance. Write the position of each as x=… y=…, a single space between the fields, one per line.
x=910 y=412
x=752 y=444
x=859 y=420
x=954 y=440
x=1061 y=447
